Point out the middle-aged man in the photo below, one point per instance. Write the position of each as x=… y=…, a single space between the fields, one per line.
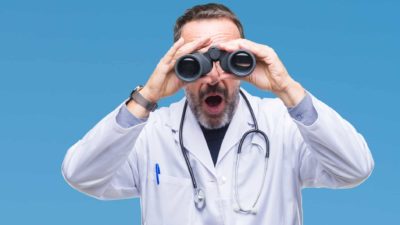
x=184 y=164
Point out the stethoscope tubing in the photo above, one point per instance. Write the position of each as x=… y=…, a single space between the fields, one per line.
x=199 y=194
x=183 y=149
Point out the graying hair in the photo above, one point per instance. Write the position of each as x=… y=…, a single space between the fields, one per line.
x=206 y=11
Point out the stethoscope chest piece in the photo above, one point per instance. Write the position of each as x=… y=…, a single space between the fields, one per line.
x=199 y=198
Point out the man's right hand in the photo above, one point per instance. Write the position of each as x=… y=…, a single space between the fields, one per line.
x=164 y=82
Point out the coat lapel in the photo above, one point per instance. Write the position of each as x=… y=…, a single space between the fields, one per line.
x=193 y=137
x=241 y=122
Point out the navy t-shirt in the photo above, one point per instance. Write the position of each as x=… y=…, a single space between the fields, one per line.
x=214 y=139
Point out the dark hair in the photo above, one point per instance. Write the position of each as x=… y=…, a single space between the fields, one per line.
x=207 y=11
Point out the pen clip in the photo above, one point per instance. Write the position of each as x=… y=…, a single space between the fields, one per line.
x=157 y=173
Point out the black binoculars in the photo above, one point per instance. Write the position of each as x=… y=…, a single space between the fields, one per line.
x=191 y=67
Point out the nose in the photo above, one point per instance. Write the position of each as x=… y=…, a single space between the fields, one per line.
x=214 y=76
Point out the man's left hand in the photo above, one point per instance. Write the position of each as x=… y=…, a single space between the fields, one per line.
x=270 y=74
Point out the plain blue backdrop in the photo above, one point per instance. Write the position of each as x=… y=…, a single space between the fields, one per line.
x=66 y=64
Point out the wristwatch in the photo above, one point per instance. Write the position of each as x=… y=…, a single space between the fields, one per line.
x=139 y=99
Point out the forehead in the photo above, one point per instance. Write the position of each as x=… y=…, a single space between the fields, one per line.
x=219 y=30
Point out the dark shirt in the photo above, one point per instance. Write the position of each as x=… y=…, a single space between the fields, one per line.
x=214 y=138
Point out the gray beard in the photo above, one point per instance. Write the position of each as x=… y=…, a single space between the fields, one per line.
x=216 y=121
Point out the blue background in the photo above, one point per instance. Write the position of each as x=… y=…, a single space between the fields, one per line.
x=66 y=64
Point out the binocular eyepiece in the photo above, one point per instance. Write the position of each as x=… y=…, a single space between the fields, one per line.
x=191 y=67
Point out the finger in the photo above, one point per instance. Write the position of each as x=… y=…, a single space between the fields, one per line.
x=189 y=48
x=229 y=46
x=186 y=49
x=192 y=47
x=172 y=51
x=262 y=52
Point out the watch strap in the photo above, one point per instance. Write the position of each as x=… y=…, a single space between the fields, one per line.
x=139 y=99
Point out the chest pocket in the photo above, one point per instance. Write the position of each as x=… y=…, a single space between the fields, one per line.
x=170 y=202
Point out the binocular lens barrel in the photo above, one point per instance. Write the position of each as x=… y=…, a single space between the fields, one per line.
x=191 y=67
x=240 y=63
x=188 y=68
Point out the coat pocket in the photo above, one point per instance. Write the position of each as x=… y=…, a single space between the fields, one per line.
x=168 y=202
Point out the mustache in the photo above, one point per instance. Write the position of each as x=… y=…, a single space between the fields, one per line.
x=213 y=89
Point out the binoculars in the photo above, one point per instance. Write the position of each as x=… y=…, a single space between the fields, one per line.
x=191 y=67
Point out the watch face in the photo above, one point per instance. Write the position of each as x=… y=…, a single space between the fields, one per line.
x=138 y=88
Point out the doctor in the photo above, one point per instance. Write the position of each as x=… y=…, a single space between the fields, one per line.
x=184 y=165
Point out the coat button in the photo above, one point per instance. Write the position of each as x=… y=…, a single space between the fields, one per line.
x=222 y=180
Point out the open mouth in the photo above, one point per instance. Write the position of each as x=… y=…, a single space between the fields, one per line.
x=213 y=101
x=214 y=104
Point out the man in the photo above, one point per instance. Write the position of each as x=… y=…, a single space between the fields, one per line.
x=187 y=170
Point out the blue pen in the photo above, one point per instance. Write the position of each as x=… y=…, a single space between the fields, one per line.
x=157 y=173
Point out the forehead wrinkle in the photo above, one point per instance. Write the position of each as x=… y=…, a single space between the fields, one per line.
x=216 y=39
x=219 y=30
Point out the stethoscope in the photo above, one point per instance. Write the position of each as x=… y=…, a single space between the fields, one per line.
x=199 y=196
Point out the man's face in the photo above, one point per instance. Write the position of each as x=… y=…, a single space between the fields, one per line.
x=214 y=97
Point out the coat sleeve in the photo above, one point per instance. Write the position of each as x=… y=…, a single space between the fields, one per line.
x=332 y=153
x=104 y=164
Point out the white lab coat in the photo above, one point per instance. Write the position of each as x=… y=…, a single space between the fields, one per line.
x=112 y=162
